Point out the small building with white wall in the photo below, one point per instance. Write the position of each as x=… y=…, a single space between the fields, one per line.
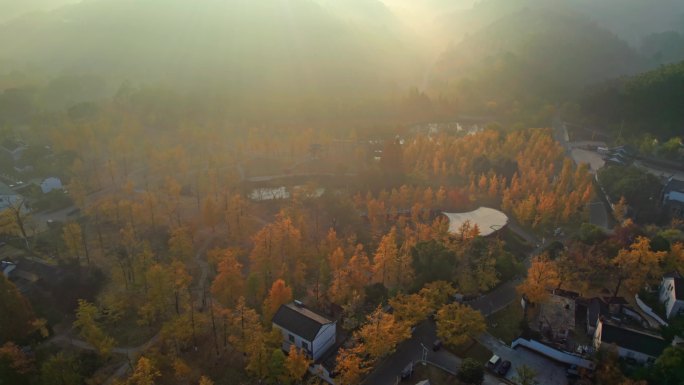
x=305 y=329
x=671 y=294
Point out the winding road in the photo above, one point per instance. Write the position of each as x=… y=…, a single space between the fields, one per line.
x=425 y=333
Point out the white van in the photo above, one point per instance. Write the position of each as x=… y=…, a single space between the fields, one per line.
x=493 y=361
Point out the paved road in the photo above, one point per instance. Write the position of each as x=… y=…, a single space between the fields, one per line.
x=660 y=171
x=387 y=371
x=497 y=299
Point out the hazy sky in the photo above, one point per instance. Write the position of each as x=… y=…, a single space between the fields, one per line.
x=12 y=8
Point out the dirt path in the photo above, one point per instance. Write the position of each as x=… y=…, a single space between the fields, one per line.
x=132 y=353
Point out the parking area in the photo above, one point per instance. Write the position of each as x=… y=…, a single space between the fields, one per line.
x=549 y=372
x=593 y=159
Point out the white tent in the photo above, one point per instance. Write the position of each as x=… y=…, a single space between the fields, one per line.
x=488 y=220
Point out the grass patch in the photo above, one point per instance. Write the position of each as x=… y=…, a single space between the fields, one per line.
x=436 y=376
x=471 y=349
x=505 y=324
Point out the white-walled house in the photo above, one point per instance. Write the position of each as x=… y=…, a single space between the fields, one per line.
x=671 y=294
x=305 y=329
x=630 y=343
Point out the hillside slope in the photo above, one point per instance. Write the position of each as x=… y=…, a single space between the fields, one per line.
x=250 y=47
x=534 y=54
x=651 y=102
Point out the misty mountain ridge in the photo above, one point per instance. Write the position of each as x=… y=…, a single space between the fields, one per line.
x=534 y=53
x=344 y=51
x=252 y=46
x=631 y=20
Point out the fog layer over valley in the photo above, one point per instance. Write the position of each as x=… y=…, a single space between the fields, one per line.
x=335 y=55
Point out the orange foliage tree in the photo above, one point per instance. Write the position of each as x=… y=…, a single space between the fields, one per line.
x=279 y=294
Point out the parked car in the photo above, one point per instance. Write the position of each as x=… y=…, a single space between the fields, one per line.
x=407 y=371
x=491 y=364
x=503 y=368
x=436 y=345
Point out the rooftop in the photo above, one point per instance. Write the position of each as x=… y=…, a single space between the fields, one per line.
x=633 y=340
x=488 y=220
x=674 y=185
x=300 y=320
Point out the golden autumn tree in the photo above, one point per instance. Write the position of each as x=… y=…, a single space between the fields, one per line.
x=352 y=279
x=229 y=284
x=144 y=373
x=16 y=313
x=181 y=370
x=674 y=260
x=277 y=251
x=437 y=294
x=638 y=264
x=410 y=309
x=296 y=364
x=73 y=240
x=350 y=365
x=456 y=323
x=541 y=276
x=381 y=333
x=279 y=294
x=244 y=323
x=336 y=261
x=181 y=282
x=404 y=274
x=86 y=322
x=620 y=210
x=180 y=243
x=330 y=243
x=359 y=269
x=258 y=355
x=236 y=217
x=160 y=286
x=386 y=260
x=16 y=358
